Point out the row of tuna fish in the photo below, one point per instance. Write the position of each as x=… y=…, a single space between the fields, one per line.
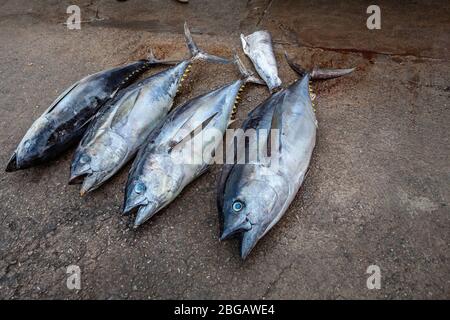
x=117 y=119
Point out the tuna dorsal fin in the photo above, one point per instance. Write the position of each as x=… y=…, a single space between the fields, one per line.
x=259 y=118
x=262 y=119
x=275 y=125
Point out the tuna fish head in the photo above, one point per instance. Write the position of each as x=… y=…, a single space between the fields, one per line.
x=251 y=204
x=80 y=168
x=32 y=147
x=150 y=191
x=96 y=162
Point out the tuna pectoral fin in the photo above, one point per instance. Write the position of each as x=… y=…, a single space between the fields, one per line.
x=12 y=164
x=187 y=132
x=198 y=54
x=247 y=75
x=317 y=73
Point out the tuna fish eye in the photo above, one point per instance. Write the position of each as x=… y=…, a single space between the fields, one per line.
x=85 y=158
x=237 y=206
x=139 y=188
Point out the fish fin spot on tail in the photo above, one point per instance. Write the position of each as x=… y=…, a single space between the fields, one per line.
x=236 y=104
x=233 y=114
x=196 y=53
x=183 y=77
x=312 y=95
x=247 y=76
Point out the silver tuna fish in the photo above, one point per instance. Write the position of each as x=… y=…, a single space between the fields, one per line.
x=67 y=118
x=258 y=47
x=253 y=197
x=123 y=125
x=164 y=166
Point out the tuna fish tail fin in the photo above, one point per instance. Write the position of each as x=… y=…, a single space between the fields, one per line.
x=294 y=66
x=153 y=60
x=325 y=74
x=247 y=75
x=317 y=73
x=196 y=53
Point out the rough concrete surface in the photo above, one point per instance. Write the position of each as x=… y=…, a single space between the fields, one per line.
x=377 y=192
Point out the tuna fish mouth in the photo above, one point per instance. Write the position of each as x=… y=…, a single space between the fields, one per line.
x=129 y=208
x=77 y=178
x=229 y=232
x=12 y=164
x=145 y=212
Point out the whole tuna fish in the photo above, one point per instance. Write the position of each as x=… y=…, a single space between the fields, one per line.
x=126 y=121
x=165 y=165
x=65 y=121
x=253 y=197
x=258 y=47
